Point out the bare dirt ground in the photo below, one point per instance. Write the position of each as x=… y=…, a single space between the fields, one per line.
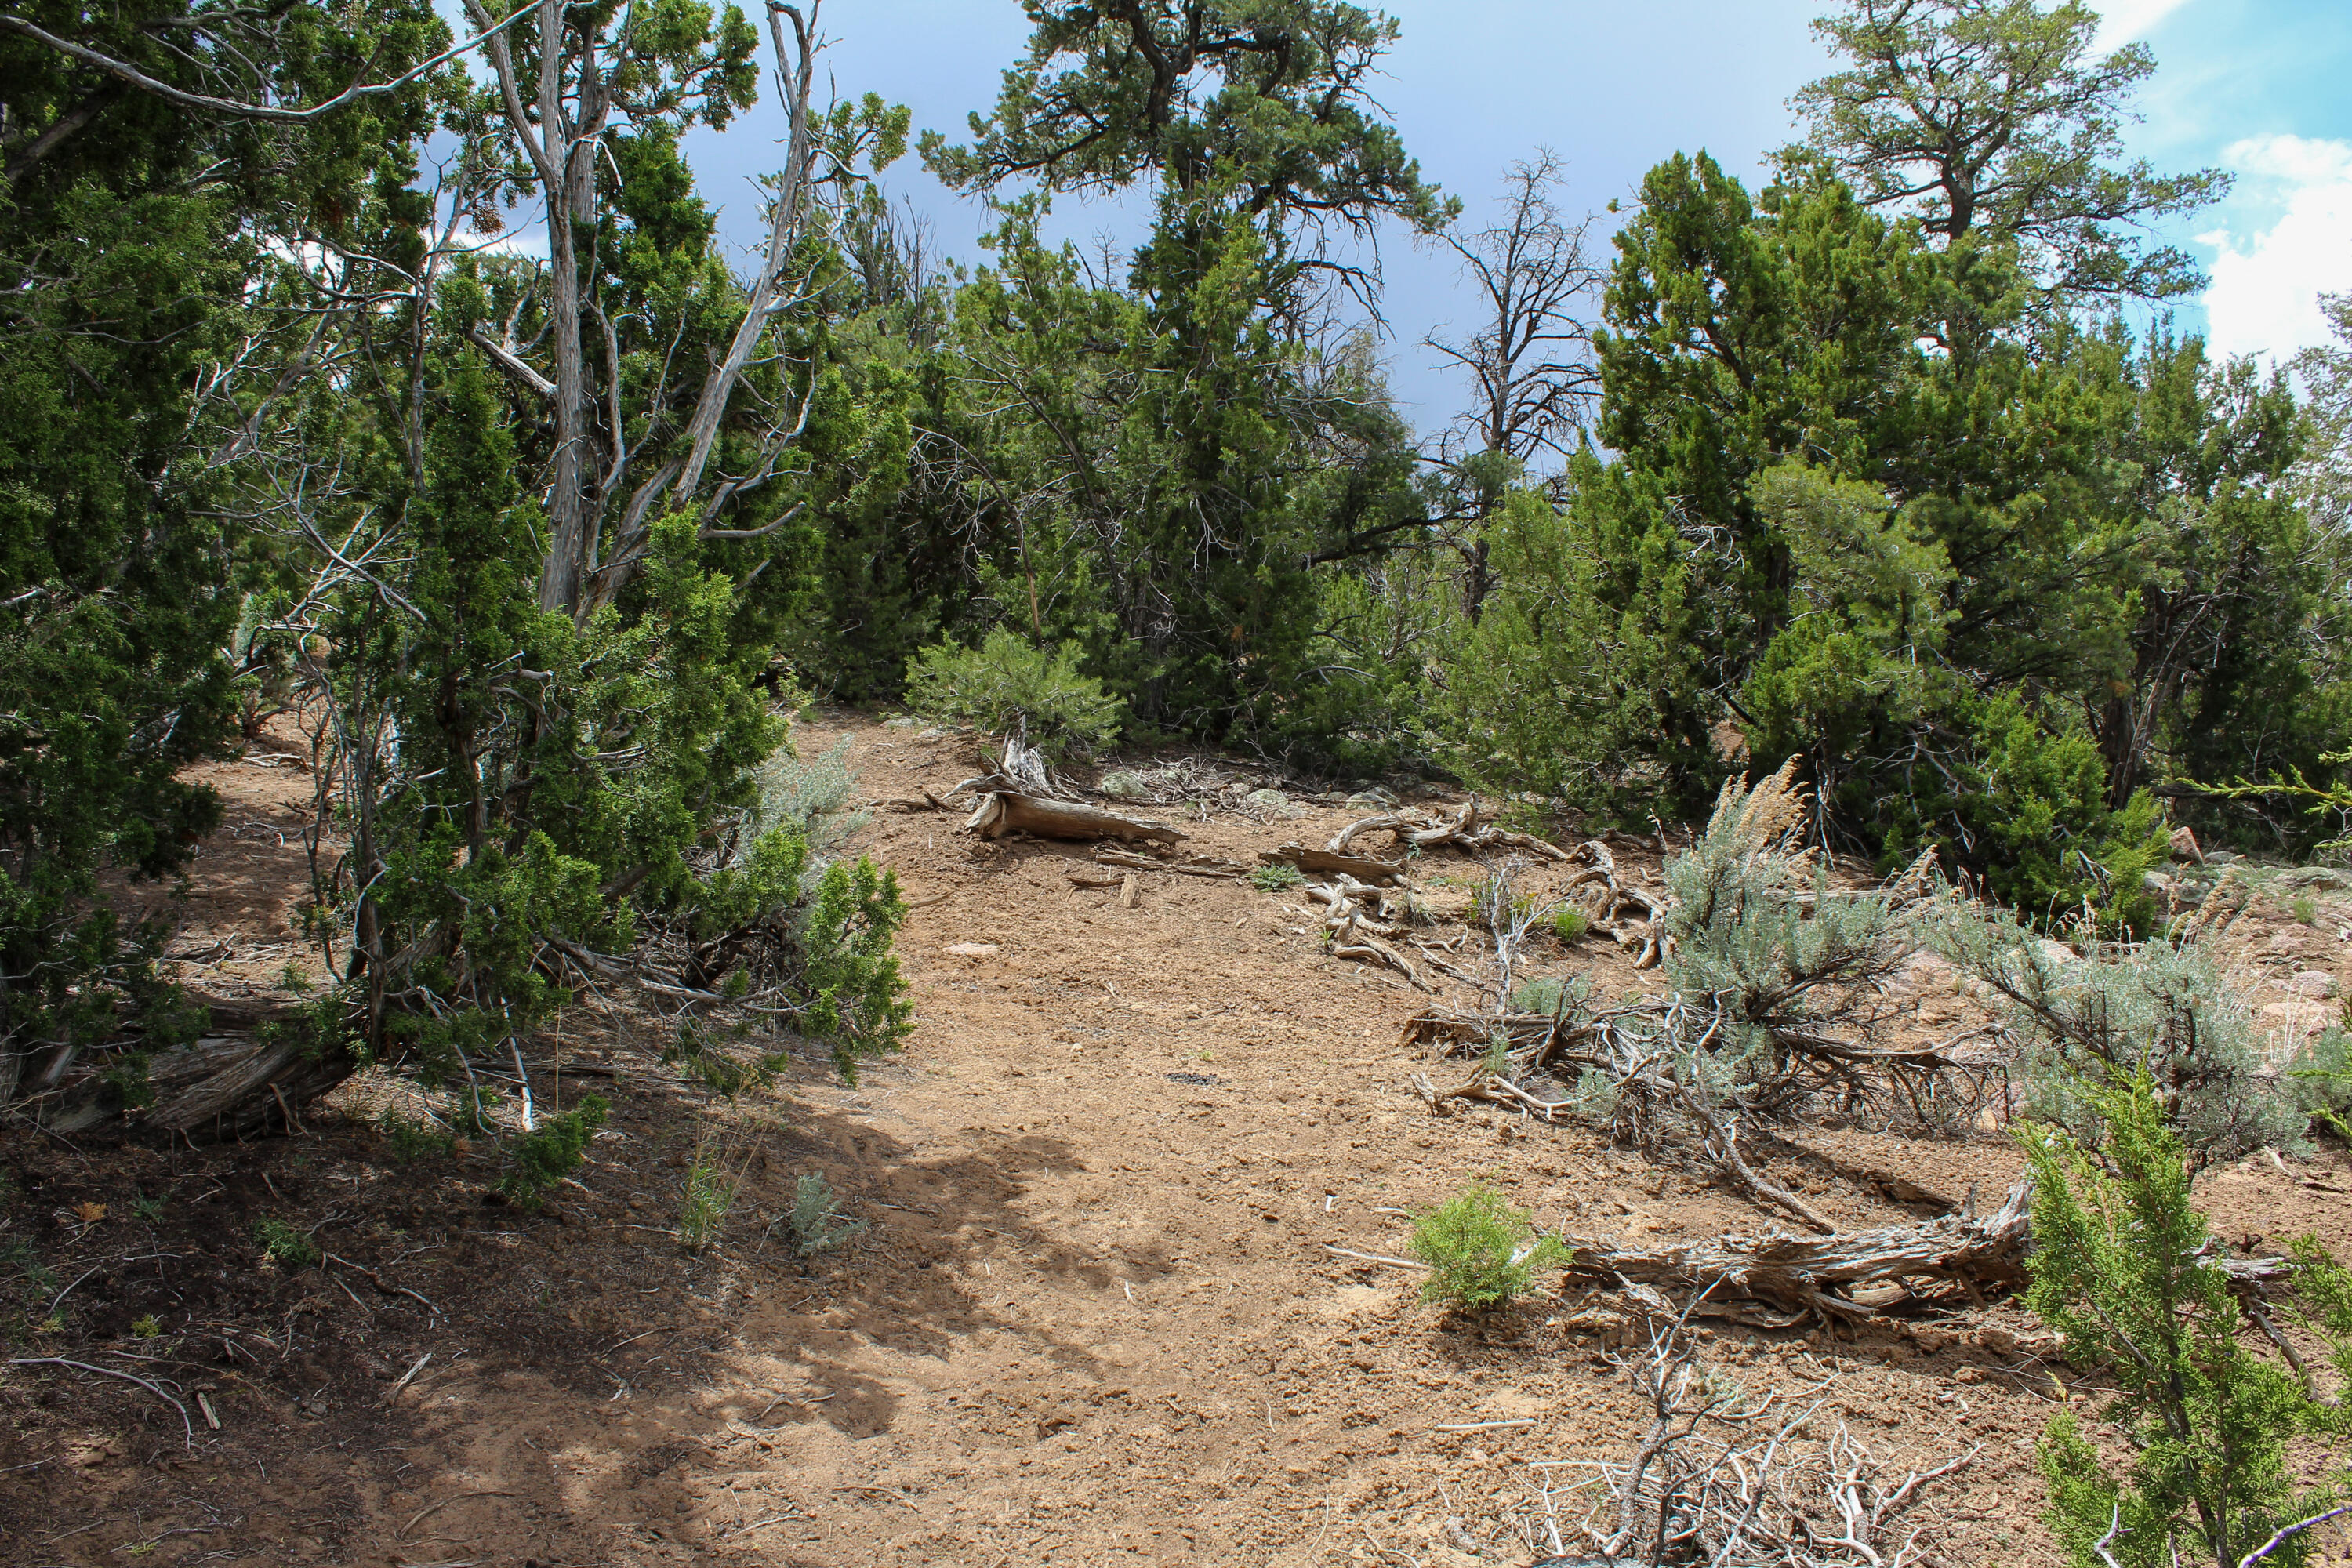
x=1094 y=1318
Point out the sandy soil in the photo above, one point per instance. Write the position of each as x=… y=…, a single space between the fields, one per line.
x=1094 y=1316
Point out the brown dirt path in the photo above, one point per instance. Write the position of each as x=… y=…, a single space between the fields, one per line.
x=1094 y=1318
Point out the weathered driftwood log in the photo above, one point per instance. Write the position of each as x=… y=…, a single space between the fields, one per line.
x=1002 y=812
x=259 y=1062
x=1328 y=863
x=1824 y=1273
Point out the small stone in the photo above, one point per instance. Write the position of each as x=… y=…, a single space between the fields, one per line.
x=903 y=721
x=1375 y=799
x=2185 y=846
x=971 y=950
x=1272 y=802
x=2220 y=857
x=1124 y=786
x=1925 y=971
x=2313 y=982
x=2157 y=883
x=2056 y=952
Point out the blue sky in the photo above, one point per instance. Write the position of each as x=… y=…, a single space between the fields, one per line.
x=2254 y=86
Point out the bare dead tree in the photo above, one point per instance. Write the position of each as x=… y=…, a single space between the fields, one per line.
x=1529 y=361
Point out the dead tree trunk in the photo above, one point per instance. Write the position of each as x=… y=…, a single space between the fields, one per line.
x=251 y=1073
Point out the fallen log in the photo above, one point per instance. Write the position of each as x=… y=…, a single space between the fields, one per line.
x=1822 y=1273
x=1003 y=811
x=259 y=1061
x=1326 y=863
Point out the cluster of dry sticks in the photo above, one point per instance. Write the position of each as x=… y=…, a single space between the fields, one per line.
x=1730 y=1479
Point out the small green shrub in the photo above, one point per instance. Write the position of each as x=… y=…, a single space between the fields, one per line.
x=1481 y=1252
x=412 y=1138
x=709 y=1203
x=857 y=1000
x=146 y=1328
x=2130 y=1275
x=1570 y=924
x=285 y=1245
x=545 y=1156
x=1280 y=877
x=1540 y=996
x=2088 y=1024
x=146 y=1209
x=2305 y=909
x=815 y=1221
x=1006 y=682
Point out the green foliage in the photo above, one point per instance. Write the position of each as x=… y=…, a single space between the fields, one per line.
x=2128 y=1271
x=285 y=1244
x=813 y=1223
x=2304 y=908
x=1006 y=684
x=412 y=1138
x=856 y=999
x=1570 y=924
x=544 y=1156
x=1989 y=574
x=2015 y=138
x=1480 y=1251
x=708 y=1203
x=1557 y=997
x=146 y=1209
x=146 y=1328
x=1278 y=878
x=2157 y=1011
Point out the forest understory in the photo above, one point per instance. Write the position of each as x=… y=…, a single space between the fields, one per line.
x=1118 y=1292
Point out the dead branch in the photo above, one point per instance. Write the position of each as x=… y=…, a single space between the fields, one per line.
x=1465 y=828
x=1325 y=863
x=1716 y=1479
x=1822 y=1273
x=1002 y=812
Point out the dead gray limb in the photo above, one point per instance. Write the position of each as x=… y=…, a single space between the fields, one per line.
x=1822 y=1273
x=1326 y=863
x=1002 y=812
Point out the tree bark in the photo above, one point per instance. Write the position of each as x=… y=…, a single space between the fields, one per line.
x=257 y=1064
x=1002 y=812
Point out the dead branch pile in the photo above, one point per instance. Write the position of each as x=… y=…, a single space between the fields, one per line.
x=1628 y=916
x=1361 y=921
x=1466 y=828
x=1733 y=1481
x=1675 y=1072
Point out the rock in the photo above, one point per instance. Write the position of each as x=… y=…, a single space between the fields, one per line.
x=903 y=721
x=2220 y=857
x=2318 y=879
x=2296 y=1018
x=2185 y=846
x=1124 y=784
x=971 y=949
x=2157 y=883
x=1375 y=799
x=1273 y=802
x=2316 y=982
x=1923 y=970
x=2056 y=952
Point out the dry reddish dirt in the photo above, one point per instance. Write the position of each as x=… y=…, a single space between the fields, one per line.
x=1094 y=1316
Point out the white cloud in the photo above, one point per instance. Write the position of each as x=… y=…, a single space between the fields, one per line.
x=2265 y=296
x=2124 y=21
